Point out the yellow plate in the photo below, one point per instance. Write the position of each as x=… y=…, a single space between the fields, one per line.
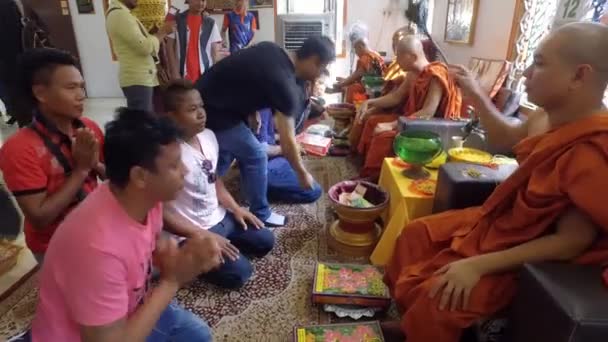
x=469 y=155
x=437 y=162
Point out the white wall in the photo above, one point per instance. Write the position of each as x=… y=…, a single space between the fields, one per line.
x=266 y=24
x=100 y=71
x=493 y=30
x=382 y=17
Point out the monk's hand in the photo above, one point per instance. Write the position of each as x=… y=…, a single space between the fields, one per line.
x=455 y=282
x=245 y=218
x=466 y=81
x=364 y=110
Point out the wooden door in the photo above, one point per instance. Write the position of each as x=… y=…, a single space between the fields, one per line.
x=57 y=20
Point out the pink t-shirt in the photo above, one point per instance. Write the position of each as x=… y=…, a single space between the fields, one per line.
x=96 y=269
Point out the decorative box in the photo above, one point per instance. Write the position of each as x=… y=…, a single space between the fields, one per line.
x=360 y=332
x=346 y=284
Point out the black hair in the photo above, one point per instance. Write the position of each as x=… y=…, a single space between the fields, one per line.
x=132 y=139
x=174 y=91
x=36 y=66
x=318 y=46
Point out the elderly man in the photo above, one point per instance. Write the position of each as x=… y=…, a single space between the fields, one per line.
x=369 y=62
x=452 y=269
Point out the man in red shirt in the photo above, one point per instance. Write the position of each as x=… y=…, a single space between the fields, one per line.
x=199 y=40
x=53 y=163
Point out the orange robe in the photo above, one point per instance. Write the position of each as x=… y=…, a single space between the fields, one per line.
x=365 y=64
x=558 y=170
x=377 y=147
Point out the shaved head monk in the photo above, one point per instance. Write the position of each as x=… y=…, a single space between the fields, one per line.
x=394 y=75
x=369 y=63
x=453 y=269
x=428 y=91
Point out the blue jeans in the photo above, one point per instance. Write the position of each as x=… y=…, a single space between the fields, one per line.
x=252 y=242
x=175 y=324
x=240 y=143
x=283 y=184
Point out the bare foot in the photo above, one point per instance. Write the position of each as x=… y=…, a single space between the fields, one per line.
x=392 y=331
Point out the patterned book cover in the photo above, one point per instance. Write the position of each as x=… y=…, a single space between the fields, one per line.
x=349 y=280
x=352 y=332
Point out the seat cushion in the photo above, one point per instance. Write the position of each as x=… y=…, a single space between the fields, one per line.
x=560 y=303
x=456 y=189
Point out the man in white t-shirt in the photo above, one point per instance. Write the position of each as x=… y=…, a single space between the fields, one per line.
x=204 y=206
x=198 y=40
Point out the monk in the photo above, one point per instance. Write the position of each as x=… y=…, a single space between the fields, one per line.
x=428 y=91
x=369 y=63
x=394 y=75
x=455 y=268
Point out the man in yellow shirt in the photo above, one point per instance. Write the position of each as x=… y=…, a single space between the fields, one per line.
x=136 y=51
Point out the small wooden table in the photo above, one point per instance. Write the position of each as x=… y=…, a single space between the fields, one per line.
x=404 y=206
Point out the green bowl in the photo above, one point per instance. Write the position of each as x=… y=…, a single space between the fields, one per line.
x=417 y=147
x=372 y=81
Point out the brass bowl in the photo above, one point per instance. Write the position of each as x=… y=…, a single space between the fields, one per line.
x=375 y=195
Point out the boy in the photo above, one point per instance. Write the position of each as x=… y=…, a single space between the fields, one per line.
x=95 y=283
x=241 y=26
x=204 y=206
x=51 y=165
x=199 y=40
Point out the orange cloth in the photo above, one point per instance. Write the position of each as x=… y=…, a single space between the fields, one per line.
x=376 y=148
x=558 y=170
x=365 y=64
x=193 y=61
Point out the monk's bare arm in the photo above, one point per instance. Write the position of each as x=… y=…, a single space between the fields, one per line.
x=574 y=234
x=432 y=101
x=353 y=78
x=394 y=98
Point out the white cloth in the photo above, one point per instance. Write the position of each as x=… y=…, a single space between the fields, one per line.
x=198 y=200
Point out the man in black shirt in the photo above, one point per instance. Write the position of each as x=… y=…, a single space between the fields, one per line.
x=263 y=76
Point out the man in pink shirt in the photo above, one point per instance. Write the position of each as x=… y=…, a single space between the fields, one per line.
x=95 y=281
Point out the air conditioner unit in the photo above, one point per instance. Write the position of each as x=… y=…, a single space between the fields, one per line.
x=294 y=29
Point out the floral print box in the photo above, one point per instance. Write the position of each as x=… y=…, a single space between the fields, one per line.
x=346 y=284
x=354 y=332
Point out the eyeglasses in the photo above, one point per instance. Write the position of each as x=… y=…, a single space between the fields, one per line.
x=207 y=168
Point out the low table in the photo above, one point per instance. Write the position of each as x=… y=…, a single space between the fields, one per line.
x=404 y=206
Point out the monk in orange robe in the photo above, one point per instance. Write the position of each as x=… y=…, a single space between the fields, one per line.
x=369 y=63
x=428 y=91
x=455 y=268
x=394 y=75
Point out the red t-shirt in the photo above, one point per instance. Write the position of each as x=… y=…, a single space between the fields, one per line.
x=29 y=167
x=193 y=61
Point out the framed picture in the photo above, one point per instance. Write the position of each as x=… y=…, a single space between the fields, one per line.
x=85 y=6
x=460 y=21
x=261 y=3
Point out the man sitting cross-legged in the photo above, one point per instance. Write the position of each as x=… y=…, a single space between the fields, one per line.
x=95 y=281
x=427 y=92
x=204 y=206
x=450 y=270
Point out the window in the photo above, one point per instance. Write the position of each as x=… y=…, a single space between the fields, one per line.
x=535 y=19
